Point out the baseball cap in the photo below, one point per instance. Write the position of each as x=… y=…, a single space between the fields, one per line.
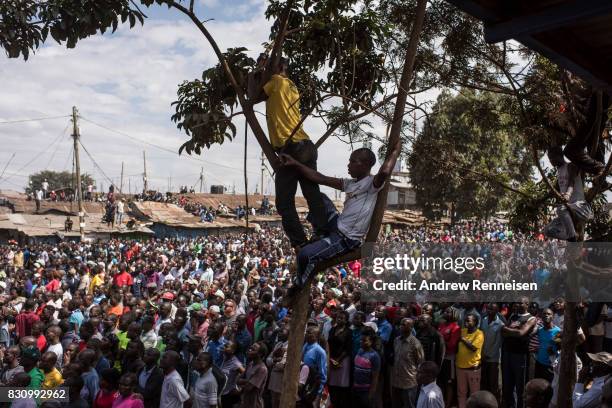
x=196 y=307
x=601 y=357
x=220 y=294
x=214 y=309
x=168 y=296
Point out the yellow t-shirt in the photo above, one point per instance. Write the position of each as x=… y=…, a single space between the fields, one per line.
x=96 y=281
x=53 y=379
x=283 y=111
x=467 y=358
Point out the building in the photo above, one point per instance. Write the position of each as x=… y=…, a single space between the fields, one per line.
x=401 y=195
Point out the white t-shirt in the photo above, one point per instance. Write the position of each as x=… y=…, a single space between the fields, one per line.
x=59 y=352
x=173 y=391
x=355 y=218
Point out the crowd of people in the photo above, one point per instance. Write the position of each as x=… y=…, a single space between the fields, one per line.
x=202 y=322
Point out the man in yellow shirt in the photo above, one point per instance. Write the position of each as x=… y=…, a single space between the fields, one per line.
x=53 y=378
x=468 y=359
x=287 y=136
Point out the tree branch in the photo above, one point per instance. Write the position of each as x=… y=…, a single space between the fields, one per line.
x=536 y=159
x=276 y=53
x=599 y=183
x=247 y=107
x=332 y=128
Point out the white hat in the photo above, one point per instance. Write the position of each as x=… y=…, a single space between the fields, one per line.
x=220 y=294
x=214 y=309
x=372 y=325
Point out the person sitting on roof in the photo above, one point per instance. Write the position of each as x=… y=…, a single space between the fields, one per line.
x=349 y=228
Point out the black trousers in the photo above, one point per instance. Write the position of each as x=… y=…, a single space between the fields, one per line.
x=588 y=133
x=286 y=182
x=543 y=371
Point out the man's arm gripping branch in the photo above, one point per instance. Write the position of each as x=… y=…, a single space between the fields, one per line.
x=387 y=167
x=311 y=174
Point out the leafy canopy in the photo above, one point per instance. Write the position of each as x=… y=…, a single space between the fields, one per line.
x=465 y=155
x=58 y=180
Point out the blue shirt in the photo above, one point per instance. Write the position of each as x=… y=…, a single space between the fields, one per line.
x=546 y=337
x=215 y=348
x=541 y=275
x=243 y=342
x=366 y=364
x=384 y=330
x=315 y=358
x=76 y=318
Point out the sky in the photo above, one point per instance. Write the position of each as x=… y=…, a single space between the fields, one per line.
x=123 y=85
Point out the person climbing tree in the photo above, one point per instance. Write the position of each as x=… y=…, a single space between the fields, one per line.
x=587 y=109
x=352 y=224
x=572 y=189
x=287 y=136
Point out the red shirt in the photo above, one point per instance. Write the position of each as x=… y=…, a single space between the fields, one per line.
x=355 y=266
x=41 y=343
x=123 y=279
x=52 y=286
x=451 y=333
x=24 y=322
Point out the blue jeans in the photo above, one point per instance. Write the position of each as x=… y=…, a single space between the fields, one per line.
x=326 y=248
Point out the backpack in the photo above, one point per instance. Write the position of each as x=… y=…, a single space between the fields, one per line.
x=309 y=391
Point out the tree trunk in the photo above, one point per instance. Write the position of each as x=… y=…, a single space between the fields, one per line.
x=301 y=303
x=567 y=370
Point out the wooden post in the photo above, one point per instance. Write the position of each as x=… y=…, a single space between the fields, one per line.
x=144 y=175
x=246 y=179
x=77 y=165
x=121 y=183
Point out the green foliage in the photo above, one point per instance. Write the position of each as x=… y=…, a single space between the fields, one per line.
x=600 y=227
x=465 y=154
x=334 y=46
x=26 y=24
x=530 y=212
x=204 y=107
x=58 y=180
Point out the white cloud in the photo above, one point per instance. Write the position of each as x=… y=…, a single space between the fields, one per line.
x=127 y=81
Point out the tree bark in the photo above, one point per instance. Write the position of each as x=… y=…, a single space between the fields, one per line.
x=301 y=303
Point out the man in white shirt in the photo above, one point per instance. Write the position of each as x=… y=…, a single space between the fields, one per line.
x=45 y=188
x=430 y=395
x=204 y=391
x=348 y=229
x=173 y=394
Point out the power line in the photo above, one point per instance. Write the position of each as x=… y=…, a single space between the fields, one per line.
x=57 y=139
x=96 y=164
x=33 y=119
x=162 y=147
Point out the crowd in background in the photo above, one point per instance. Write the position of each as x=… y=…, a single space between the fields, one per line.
x=202 y=323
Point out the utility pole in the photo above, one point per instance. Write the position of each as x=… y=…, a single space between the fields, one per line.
x=121 y=183
x=262 y=173
x=201 y=178
x=77 y=164
x=144 y=176
x=130 y=185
